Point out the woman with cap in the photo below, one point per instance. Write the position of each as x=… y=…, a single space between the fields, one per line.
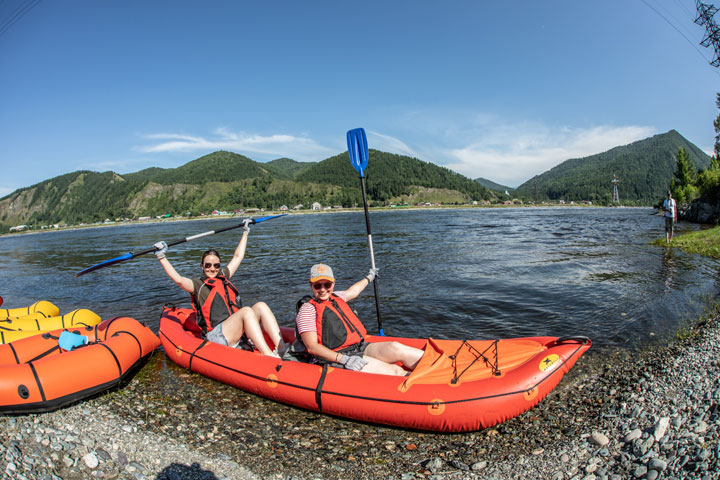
x=330 y=332
x=219 y=312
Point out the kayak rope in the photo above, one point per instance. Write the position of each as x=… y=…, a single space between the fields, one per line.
x=493 y=365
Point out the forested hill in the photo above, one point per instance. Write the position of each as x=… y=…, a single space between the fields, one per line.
x=389 y=176
x=644 y=170
x=229 y=181
x=493 y=186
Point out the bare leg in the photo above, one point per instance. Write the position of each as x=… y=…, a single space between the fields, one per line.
x=391 y=352
x=378 y=366
x=245 y=321
x=268 y=322
x=233 y=327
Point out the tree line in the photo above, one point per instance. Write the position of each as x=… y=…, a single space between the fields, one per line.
x=689 y=183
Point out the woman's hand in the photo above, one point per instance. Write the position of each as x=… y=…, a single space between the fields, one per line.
x=160 y=249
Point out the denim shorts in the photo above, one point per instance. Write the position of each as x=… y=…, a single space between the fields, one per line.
x=216 y=336
x=353 y=350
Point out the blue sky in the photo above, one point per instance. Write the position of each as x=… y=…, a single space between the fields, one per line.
x=501 y=90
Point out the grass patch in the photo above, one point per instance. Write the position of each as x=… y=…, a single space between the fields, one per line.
x=704 y=242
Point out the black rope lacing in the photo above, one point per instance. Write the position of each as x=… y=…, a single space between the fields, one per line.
x=493 y=364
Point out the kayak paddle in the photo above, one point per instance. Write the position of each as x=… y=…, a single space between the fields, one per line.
x=358 y=151
x=130 y=255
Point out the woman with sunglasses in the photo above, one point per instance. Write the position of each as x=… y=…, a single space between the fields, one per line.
x=219 y=312
x=330 y=332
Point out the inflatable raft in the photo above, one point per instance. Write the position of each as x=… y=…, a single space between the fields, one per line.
x=457 y=386
x=41 y=309
x=36 y=375
x=23 y=327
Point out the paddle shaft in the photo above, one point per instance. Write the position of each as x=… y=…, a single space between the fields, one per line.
x=192 y=237
x=372 y=253
x=130 y=255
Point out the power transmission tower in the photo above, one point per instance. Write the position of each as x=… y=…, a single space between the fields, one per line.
x=616 y=196
x=706 y=18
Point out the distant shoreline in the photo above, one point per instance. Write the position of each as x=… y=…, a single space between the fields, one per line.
x=300 y=212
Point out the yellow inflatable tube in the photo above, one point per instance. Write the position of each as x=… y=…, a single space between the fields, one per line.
x=41 y=309
x=76 y=318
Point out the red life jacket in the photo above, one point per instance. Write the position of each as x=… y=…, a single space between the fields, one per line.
x=222 y=301
x=337 y=325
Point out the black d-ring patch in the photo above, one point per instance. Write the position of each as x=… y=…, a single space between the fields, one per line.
x=23 y=391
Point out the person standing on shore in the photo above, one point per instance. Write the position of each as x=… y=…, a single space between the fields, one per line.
x=670 y=209
x=330 y=332
x=219 y=311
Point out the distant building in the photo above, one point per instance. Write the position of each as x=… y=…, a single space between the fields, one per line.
x=283 y=208
x=316 y=206
x=19 y=228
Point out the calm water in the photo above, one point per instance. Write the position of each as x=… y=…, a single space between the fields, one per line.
x=474 y=273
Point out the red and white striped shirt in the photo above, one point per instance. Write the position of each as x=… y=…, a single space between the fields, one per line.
x=305 y=319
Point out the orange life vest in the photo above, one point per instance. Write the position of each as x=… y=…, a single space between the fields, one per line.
x=221 y=302
x=337 y=325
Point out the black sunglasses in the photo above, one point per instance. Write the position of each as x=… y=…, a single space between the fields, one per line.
x=214 y=265
x=318 y=286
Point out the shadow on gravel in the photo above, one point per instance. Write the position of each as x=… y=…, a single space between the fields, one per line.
x=176 y=471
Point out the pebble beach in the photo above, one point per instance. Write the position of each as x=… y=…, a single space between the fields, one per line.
x=648 y=414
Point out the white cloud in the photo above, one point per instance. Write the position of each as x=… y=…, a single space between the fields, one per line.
x=479 y=144
x=386 y=143
x=512 y=154
x=301 y=148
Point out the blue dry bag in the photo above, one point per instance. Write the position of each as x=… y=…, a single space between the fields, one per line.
x=70 y=340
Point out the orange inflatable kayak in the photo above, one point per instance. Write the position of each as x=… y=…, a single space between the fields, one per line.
x=15 y=329
x=36 y=375
x=458 y=385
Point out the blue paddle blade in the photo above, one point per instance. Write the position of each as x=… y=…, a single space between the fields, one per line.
x=106 y=263
x=262 y=219
x=358 y=149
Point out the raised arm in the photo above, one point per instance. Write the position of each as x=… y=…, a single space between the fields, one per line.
x=357 y=288
x=239 y=254
x=182 y=282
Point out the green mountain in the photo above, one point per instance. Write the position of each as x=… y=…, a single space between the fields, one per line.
x=288 y=168
x=219 y=166
x=493 y=186
x=389 y=176
x=643 y=168
x=228 y=181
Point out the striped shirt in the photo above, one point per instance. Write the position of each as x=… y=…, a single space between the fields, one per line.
x=305 y=319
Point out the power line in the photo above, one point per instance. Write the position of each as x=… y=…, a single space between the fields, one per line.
x=694 y=45
x=20 y=12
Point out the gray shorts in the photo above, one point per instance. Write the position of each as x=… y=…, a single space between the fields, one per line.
x=669 y=223
x=354 y=350
x=216 y=336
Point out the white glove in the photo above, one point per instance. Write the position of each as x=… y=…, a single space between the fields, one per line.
x=160 y=250
x=246 y=225
x=353 y=362
x=374 y=272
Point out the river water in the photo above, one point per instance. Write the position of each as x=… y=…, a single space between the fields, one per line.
x=464 y=273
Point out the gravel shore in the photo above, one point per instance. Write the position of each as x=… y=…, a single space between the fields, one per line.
x=617 y=415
